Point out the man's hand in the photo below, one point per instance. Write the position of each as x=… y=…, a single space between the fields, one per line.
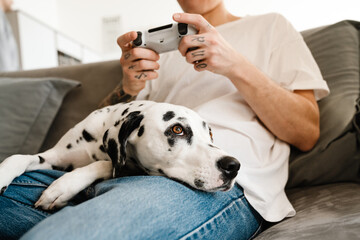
x=291 y=116
x=138 y=64
x=211 y=52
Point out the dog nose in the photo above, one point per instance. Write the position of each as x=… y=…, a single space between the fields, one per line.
x=229 y=166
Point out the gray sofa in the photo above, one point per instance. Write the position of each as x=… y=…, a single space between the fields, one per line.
x=323 y=184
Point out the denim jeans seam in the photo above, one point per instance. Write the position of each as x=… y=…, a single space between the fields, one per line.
x=258 y=230
x=211 y=219
x=22 y=182
x=29 y=206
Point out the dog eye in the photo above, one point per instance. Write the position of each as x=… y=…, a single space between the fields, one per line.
x=178 y=130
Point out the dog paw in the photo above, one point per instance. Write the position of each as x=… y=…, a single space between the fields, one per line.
x=55 y=196
x=13 y=167
x=59 y=192
x=5 y=181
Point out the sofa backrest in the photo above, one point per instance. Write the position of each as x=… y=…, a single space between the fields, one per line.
x=336 y=156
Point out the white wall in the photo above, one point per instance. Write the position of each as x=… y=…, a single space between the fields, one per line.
x=81 y=19
x=43 y=10
x=303 y=14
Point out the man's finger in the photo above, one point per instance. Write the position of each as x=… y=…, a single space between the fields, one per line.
x=195 y=19
x=124 y=41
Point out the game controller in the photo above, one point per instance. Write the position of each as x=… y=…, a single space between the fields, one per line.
x=165 y=38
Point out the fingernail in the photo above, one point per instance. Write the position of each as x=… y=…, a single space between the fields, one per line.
x=177 y=16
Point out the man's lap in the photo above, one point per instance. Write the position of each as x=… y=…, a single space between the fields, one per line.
x=140 y=207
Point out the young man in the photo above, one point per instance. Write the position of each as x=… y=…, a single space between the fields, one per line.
x=253 y=79
x=256 y=83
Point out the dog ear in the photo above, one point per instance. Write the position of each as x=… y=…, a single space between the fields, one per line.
x=111 y=147
x=117 y=149
x=131 y=123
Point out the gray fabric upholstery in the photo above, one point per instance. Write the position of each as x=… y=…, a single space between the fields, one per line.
x=323 y=212
x=97 y=81
x=27 y=109
x=334 y=158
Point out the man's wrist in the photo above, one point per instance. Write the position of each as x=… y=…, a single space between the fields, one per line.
x=125 y=96
x=117 y=96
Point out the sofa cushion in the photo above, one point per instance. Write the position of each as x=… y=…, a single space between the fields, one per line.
x=333 y=159
x=97 y=81
x=323 y=212
x=27 y=109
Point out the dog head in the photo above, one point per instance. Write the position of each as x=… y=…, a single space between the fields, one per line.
x=174 y=141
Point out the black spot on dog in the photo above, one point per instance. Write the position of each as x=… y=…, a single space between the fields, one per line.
x=141 y=131
x=108 y=110
x=117 y=123
x=3 y=190
x=77 y=141
x=161 y=171
x=189 y=135
x=98 y=181
x=112 y=151
x=133 y=115
x=210 y=145
x=95 y=157
x=199 y=183
x=171 y=142
x=41 y=160
x=181 y=118
x=80 y=138
x=204 y=124
x=87 y=136
x=141 y=105
x=102 y=148
x=169 y=149
x=105 y=135
x=125 y=112
x=168 y=116
x=69 y=168
x=69 y=146
x=57 y=168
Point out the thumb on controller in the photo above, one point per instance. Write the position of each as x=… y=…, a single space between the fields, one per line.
x=124 y=41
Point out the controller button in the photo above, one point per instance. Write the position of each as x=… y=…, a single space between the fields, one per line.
x=138 y=41
x=182 y=28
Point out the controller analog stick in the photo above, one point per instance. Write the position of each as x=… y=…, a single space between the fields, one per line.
x=183 y=28
x=138 y=41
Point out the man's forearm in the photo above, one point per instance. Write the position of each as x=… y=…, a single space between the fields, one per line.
x=117 y=96
x=291 y=116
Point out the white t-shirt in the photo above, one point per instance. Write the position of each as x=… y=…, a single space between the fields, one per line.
x=271 y=44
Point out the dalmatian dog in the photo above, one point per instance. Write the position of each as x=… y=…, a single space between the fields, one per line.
x=157 y=138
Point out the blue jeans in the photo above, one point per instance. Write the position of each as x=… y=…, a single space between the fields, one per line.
x=140 y=207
